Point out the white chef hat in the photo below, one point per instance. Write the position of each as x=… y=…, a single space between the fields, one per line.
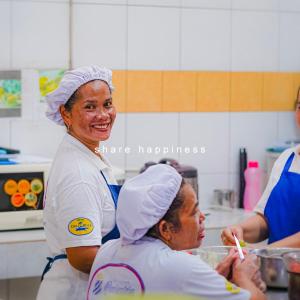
x=145 y=199
x=70 y=82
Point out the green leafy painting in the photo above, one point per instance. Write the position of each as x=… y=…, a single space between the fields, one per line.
x=10 y=93
x=49 y=81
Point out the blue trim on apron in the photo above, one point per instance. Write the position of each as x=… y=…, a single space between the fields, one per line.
x=113 y=234
x=51 y=260
x=283 y=206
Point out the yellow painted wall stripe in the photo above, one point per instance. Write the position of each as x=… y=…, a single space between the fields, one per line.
x=198 y=91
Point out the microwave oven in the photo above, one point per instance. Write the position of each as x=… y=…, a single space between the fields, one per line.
x=22 y=189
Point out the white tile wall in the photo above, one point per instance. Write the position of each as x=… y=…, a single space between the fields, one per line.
x=116 y=144
x=42 y=42
x=155 y=2
x=100 y=35
x=255 y=132
x=112 y=2
x=150 y=130
x=207 y=3
x=210 y=130
x=287 y=128
x=207 y=184
x=5 y=28
x=36 y=137
x=255 y=41
x=255 y=4
x=290 y=41
x=289 y=5
x=5 y=132
x=205 y=41
x=153 y=38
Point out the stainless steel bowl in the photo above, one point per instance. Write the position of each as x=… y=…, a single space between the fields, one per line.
x=272 y=267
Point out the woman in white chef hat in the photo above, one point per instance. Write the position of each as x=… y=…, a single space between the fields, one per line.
x=158 y=216
x=81 y=194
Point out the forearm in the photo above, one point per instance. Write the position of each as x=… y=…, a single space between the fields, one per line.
x=292 y=241
x=82 y=258
x=255 y=229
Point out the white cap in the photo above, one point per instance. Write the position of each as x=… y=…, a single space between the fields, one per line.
x=70 y=82
x=145 y=199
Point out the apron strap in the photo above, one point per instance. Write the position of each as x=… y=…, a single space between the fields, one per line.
x=289 y=162
x=51 y=260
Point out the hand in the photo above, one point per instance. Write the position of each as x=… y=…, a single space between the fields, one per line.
x=245 y=270
x=257 y=280
x=227 y=235
x=225 y=266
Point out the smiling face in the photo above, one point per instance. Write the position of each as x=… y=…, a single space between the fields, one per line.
x=92 y=115
x=191 y=231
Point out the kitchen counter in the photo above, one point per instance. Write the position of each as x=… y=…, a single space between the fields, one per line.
x=26 y=250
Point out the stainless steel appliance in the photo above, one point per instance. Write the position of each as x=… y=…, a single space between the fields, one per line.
x=189 y=173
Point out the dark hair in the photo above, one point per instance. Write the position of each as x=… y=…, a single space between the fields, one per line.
x=70 y=103
x=172 y=215
x=297 y=99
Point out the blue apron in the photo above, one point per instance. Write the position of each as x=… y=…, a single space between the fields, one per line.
x=283 y=207
x=114 y=234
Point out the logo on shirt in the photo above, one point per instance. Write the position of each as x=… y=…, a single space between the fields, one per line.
x=81 y=226
x=233 y=289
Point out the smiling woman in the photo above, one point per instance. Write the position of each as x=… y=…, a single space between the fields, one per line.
x=81 y=194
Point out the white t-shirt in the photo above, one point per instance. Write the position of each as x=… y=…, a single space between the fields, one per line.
x=78 y=211
x=150 y=265
x=276 y=173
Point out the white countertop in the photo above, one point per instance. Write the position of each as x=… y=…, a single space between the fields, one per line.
x=21 y=236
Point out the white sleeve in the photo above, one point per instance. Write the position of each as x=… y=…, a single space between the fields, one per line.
x=79 y=216
x=205 y=282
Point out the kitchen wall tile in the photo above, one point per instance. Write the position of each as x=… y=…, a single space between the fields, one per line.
x=246 y=91
x=91 y=45
x=289 y=41
x=3 y=265
x=289 y=5
x=5 y=132
x=213 y=91
x=19 y=264
x=255 y=44
x=151 y=130
x=110 y=2
x=3 y=289
x=30 y=94
x=179 y=91
x=278 y=91
x=5 y=30
x=120 y=92
x=24 y=288
x=144 y=91
x=207 y=3
x=211 y=26
x=254 y=131
x=209 y=130
x=36 y=137
x=207 y=183
x=115 y=145
x=287 y=128
x=155 y=2
x=37 y=40
x=148 y=47
x=255 y=4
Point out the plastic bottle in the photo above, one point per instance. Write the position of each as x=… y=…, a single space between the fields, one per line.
x=253 y=185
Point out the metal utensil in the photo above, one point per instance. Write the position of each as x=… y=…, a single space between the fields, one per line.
x=272 y=267
x=240 y=251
